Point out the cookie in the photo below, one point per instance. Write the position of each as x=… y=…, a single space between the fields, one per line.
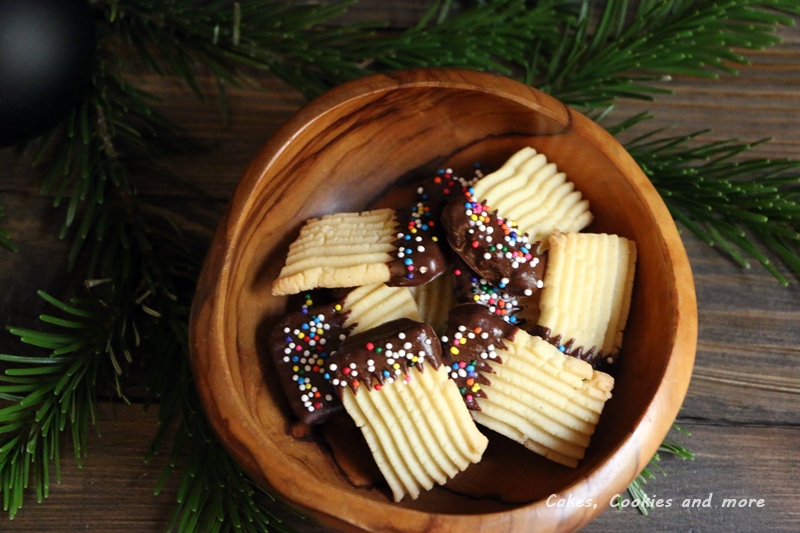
x=470 y=287
x=434 y=300
x=493 y=247
x=352 y=249
x=300 y=345
x=302 y=342
x=371 y=305
x=392 y=383
x=587 y=294
x=522 y=387
x=532 y=192
x=445 y=185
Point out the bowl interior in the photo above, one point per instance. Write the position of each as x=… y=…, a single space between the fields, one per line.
x=344 y=158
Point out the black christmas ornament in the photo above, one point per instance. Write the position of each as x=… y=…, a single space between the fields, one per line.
x=47 y=50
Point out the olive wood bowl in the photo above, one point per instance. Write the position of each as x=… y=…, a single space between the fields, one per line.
x=342 y=152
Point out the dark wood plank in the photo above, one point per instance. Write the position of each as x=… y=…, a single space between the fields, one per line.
x=733 y=462
x=113 y=491
x=747 y=367
x=757 y=104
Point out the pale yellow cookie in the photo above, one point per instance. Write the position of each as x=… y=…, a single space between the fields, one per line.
x=587 y=293
x=371 y=305
x=532 y=192
x=392 y=383
x=388 y=246
x=435 y=299
x=419 y=434
x=523 y=387
x=341 y=250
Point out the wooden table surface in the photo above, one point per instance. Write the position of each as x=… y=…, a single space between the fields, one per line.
x=743 y=405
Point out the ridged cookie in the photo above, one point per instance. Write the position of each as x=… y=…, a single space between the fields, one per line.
x=587 y=294
x=523 y=387
x=469 y=287
x=352 y=249
x=434 y=300
x=493 y=246
x=533 y=193
x=392 y=383
x=302 y=342
x=439 y=189
x=369 y=306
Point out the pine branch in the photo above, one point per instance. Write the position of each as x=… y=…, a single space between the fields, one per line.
x=141 y=272
x=298 y=43
x=490 y=36
x=214 y=494
x=636 y=488
x=178 y=36
x=143 y=323
x=54 y=394
x=139 y=265
x=740 y=206
x=92 y=159
x=623 y=51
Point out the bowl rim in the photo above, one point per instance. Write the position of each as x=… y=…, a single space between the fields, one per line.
x=207 y=331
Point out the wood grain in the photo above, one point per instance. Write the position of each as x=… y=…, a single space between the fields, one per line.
x=742 y=405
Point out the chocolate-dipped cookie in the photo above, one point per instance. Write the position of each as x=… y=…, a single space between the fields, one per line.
x=417 y=256
x=472 y=338
x=591 y=276
x=304 y=339
x=470 y=287
x=389 y=246
x=523 y=387
x=392 y=383
x=531 y=191
x=300 y=345
x=385 y=353
x=493 y=247
x=445 y=185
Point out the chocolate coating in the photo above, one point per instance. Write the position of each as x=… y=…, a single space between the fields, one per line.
x=384 y=353
x=312 y=298
x=482 y=333
x=300 y=346
x=417 y=257
x=472 y=288
x=444 y=186
x=593 y=356
x=493 y=247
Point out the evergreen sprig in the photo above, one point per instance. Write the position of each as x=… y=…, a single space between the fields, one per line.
x=178 y=36
x=490 y=36
x=141 y=269
x=628 y=46
x=725 y=199
x=636 y=489
x=300 y=43
x=53 y=394
x=214 y=494
x=115 y=134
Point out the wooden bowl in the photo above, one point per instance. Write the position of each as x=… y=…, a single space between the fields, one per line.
x=341 y=153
